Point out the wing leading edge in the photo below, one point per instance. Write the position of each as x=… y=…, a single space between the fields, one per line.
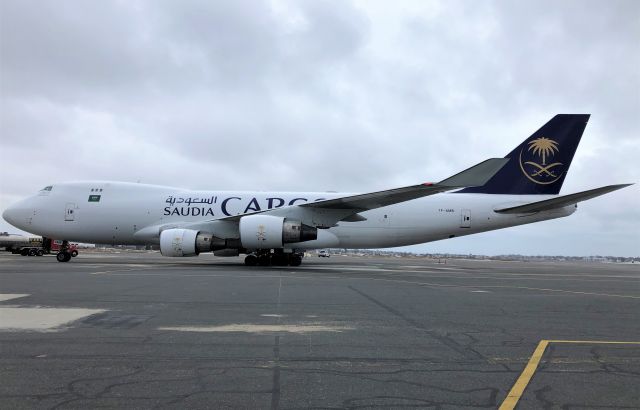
x=477 y=175
x=328 y=212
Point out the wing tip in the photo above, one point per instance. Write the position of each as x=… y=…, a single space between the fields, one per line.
x=476 y=175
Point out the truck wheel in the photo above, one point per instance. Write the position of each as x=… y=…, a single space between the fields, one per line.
x=74 y=253
x=32 y=252
x=63 y=256
x=39 y=252
x=24 y=252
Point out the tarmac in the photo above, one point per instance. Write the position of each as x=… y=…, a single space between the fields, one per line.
x=137 y=330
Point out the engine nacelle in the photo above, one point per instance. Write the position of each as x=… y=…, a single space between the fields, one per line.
x=272 y=232
x=188 y=242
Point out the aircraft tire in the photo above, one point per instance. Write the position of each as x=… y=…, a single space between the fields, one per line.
x=251 y=260
x=279 y=259
x=63 y=256
x=296 y=260
x=264 y=260
x=74 y=253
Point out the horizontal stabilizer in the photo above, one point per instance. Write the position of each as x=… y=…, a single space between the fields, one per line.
x=560 y=201
x=477 y=175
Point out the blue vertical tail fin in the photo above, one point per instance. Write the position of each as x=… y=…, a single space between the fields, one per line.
x=540 y=164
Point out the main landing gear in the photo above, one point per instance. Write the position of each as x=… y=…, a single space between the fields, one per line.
x=278 y=258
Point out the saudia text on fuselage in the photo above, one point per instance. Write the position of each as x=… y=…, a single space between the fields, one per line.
x=225 y=206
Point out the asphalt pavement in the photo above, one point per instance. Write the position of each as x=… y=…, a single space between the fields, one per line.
x=137 y=330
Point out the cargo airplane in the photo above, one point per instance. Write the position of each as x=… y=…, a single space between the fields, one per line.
x=276 y=227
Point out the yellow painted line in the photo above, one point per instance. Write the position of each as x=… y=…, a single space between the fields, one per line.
x=596 y=342
x=518 y=388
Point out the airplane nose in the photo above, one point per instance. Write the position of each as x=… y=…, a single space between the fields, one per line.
x=9 y=215
x=16 y=214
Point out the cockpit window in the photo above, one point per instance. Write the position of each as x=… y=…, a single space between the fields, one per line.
x=47 y=188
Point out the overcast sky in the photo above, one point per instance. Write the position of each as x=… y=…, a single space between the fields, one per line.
x=324 y=95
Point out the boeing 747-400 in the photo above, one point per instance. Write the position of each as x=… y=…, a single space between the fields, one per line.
x=276 y=227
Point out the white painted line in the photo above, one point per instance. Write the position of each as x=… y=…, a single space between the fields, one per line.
x=429 y=267
x=349 y=268
x=480 y=291
x=40 y=319
x=251 y=328
x=141 y=267
x=9 y=296
x=272 y=315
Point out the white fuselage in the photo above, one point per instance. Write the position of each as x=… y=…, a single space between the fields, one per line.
x=127 y=213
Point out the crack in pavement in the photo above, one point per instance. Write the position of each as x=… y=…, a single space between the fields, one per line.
x=465 y=351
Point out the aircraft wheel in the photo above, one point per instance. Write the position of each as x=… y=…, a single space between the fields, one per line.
x=63 y=256
x=296 y=260
x=264 y=260
x=251 y=260
x=279 y=259
x=39 y=252
x=74 y=253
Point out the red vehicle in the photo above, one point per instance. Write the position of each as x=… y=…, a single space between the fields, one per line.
x=37 y=246
x=56 y=246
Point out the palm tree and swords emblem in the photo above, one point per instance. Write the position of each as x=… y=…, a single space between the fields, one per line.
x=544 y=148
x=261 y=234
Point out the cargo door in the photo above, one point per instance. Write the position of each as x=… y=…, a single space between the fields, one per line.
x=465 y=218
x=70 y=212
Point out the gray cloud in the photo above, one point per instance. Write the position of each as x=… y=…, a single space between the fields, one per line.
x=322 y=96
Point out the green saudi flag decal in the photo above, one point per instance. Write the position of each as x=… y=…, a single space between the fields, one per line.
x=94 y=198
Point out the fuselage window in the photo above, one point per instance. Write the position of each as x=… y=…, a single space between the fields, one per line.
x=47 y=188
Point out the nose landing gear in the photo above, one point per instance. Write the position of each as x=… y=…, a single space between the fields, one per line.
x=64 y=255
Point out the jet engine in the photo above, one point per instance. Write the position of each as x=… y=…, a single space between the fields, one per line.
x=188 y=242
x=272 y=232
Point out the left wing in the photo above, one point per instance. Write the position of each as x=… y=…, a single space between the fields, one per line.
x=477 y=175
x=326 y=213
